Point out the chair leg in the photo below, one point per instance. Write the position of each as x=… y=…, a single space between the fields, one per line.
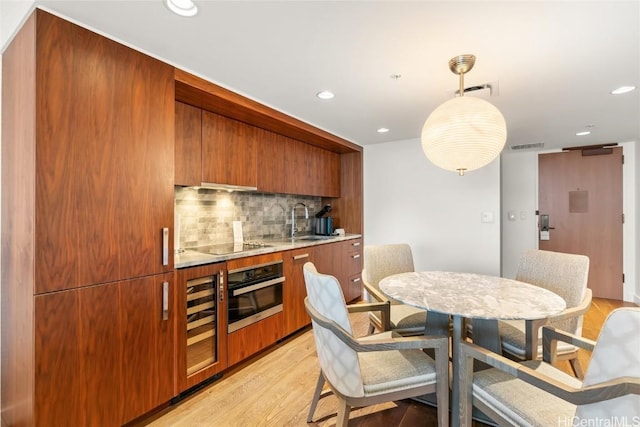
x=343 y=413
x=371 y=329
x=577 y=368
x=316 y=397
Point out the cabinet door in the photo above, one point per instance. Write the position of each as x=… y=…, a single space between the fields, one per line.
x=104 y=354
x=299 y=167
x=229 y=151
x=104 y=158
x=294 y=293
x=188 y=145
x=147 y=319
x=201 y=338
x=271 y=152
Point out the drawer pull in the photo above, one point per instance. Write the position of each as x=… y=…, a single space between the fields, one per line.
x=165 y=301
x=356 y=256
x=356 y=280
x=356 y=244
x=301 y=256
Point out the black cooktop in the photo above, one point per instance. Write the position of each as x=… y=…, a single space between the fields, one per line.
x=230 y=248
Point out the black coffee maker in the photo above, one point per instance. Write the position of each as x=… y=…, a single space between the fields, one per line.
x=324 y=225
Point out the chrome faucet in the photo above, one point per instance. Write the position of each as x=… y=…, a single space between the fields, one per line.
x=294 y=229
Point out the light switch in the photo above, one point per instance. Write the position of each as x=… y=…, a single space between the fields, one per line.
x=487 y=217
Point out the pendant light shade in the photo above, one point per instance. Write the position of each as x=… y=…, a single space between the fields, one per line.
x=464 y=133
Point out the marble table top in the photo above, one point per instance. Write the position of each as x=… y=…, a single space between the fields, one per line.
x=472 y=295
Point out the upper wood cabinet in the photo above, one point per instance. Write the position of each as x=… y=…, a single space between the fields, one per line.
x=104 y=158
x=188 y=150
x=271 y=154
x=229 y=151
x=311 y=170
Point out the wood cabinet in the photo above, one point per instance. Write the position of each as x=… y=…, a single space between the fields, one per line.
x=344 y=261
x=229 y=151
x=104 y=352
x=294 y=293
x=271 y=153
x=311 y=170
x=188 y=148
x=104 y=158
x=201 y=318
x=352 y=267
x=87 y=178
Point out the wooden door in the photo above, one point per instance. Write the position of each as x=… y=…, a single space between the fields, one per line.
x=188 y=149
x=582 y=195
x=147 y=344
x=295 y=291
x=104 y=158
x=103 y=354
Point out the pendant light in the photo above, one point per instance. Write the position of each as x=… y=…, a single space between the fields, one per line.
x=464 y=133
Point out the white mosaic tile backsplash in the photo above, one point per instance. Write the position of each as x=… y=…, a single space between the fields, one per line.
x=205 y=216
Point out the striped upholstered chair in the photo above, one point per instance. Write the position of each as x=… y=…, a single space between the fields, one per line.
x=374 y=369
x=534 y=393
x=566 y=275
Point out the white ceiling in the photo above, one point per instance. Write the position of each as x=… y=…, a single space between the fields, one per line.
x=554 y=62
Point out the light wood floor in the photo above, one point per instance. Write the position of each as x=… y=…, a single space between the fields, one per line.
x=275 y=388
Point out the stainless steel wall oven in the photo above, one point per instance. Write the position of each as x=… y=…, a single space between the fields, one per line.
x=254 y=292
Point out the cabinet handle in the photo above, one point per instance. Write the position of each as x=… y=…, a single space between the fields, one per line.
x=356 y=256
x=165 y=246
x=221 y=286
x=301 y=256
x=356 y=280
x=355 y=244
x=165 y=301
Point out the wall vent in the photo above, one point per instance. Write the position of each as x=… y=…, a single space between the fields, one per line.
x=527 y=146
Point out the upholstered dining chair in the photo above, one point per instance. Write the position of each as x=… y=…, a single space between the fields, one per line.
x=566 y=275
x=381 y=261
x=374 y=369
x=534 y=393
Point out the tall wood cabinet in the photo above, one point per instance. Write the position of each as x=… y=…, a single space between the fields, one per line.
x=87 y=199
x=295 y=291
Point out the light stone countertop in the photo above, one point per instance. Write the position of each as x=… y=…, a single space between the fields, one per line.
x=472 y=295
x=192 y=258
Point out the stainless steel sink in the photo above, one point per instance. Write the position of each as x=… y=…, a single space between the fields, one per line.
x=315 y=237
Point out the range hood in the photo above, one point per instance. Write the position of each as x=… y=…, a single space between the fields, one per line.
x=227 y=187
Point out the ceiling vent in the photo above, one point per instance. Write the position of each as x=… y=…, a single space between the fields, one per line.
x=527 y=146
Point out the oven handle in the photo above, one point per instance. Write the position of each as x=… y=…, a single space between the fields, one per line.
x=246 y=289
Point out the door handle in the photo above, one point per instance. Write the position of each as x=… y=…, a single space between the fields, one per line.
x=165 y=246
x=165 y=301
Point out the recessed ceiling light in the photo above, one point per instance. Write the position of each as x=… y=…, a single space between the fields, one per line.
x=325 y=94
x=182 y=7
x=383 y=130
x=583 y=133
x=622 y=89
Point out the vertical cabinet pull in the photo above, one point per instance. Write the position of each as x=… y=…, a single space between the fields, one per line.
x=165 y=246
x=165 y=301
x=221 y=286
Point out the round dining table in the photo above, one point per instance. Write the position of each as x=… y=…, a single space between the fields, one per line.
x=482 y=298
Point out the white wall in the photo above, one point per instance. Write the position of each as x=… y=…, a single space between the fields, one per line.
x=519 y=188
x=520 y=191
x=408 y=199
